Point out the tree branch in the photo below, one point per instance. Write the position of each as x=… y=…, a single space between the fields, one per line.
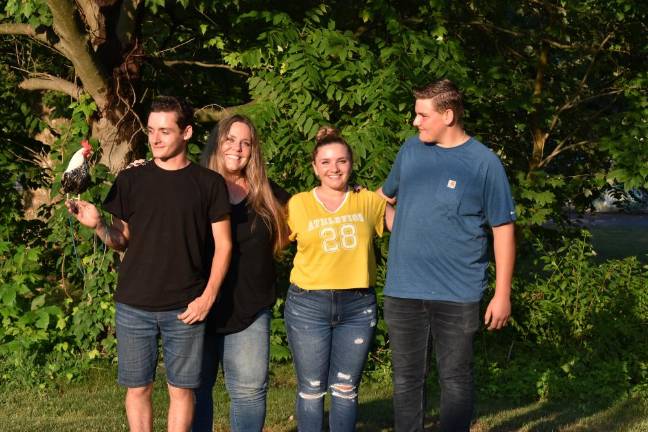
x=24 y=30
x=525 y=36
x=48 y=82
x=575 y=99
x=560 y=149
x=561 y=10
x=215 y=113
x=540 y=137
x=591 y=65
x=562 y=144
x=94 y=20
x=75 y=46
x=205 y=65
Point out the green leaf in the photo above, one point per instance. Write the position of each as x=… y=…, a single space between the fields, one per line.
x=38 y=302
x=8 y=295
x=42 y=320
x=308 y=125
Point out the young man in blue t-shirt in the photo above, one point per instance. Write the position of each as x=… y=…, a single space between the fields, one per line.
x=449 y=189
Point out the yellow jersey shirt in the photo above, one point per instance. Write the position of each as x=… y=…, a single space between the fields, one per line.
x=334 y=248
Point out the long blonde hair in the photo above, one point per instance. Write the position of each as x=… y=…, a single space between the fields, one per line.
x=260 y=196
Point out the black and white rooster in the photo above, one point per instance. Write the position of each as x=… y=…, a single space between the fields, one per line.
x=76 y=177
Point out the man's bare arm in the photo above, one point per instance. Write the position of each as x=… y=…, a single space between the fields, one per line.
x=499 y=308
x=389 y=216
x=198 y=309
x=115 y=235
x=389 y=210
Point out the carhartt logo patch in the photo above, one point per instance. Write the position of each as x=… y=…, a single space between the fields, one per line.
x=452 y=184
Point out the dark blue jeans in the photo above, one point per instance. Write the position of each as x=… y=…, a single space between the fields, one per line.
x=330 y=333
x=416 y=326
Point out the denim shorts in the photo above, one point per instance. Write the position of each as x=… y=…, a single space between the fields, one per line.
x=138 y=332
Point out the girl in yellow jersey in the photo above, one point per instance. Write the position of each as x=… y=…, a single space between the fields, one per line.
x=330 y=310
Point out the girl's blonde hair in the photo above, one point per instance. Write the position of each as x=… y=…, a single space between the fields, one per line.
x=260 y=196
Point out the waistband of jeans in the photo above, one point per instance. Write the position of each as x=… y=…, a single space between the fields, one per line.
x=343 y=290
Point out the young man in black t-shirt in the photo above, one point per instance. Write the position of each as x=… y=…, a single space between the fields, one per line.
x=166 y=214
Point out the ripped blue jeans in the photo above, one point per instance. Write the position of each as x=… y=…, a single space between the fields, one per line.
x=329 y=333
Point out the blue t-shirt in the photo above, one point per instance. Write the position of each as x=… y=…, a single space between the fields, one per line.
x=447 y=197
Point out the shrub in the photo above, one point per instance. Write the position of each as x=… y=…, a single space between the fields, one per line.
x=578 y=328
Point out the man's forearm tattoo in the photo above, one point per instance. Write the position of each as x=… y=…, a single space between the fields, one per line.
x=109 y=235
x=102 y=231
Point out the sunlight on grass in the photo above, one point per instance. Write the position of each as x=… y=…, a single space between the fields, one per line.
x=96 y=404
x=629 y=415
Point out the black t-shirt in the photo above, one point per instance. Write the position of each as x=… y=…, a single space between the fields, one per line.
x=249 y=285
x=169 y=216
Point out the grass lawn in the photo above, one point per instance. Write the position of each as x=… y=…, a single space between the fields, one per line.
x=96 y=405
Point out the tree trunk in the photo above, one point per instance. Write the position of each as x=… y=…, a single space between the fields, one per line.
x=121 y=139
x=539 y=134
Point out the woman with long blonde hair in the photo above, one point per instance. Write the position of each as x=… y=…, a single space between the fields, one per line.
x=238 y=326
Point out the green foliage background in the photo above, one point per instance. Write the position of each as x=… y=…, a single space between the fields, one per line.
x=557 y=89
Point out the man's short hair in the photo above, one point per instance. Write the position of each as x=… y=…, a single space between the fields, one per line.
x=184 y=111
x=445 y=95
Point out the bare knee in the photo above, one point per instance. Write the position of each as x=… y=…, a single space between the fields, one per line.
x=311 y=396
x=179 y=393
x=140 y=393
x=344 y=391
